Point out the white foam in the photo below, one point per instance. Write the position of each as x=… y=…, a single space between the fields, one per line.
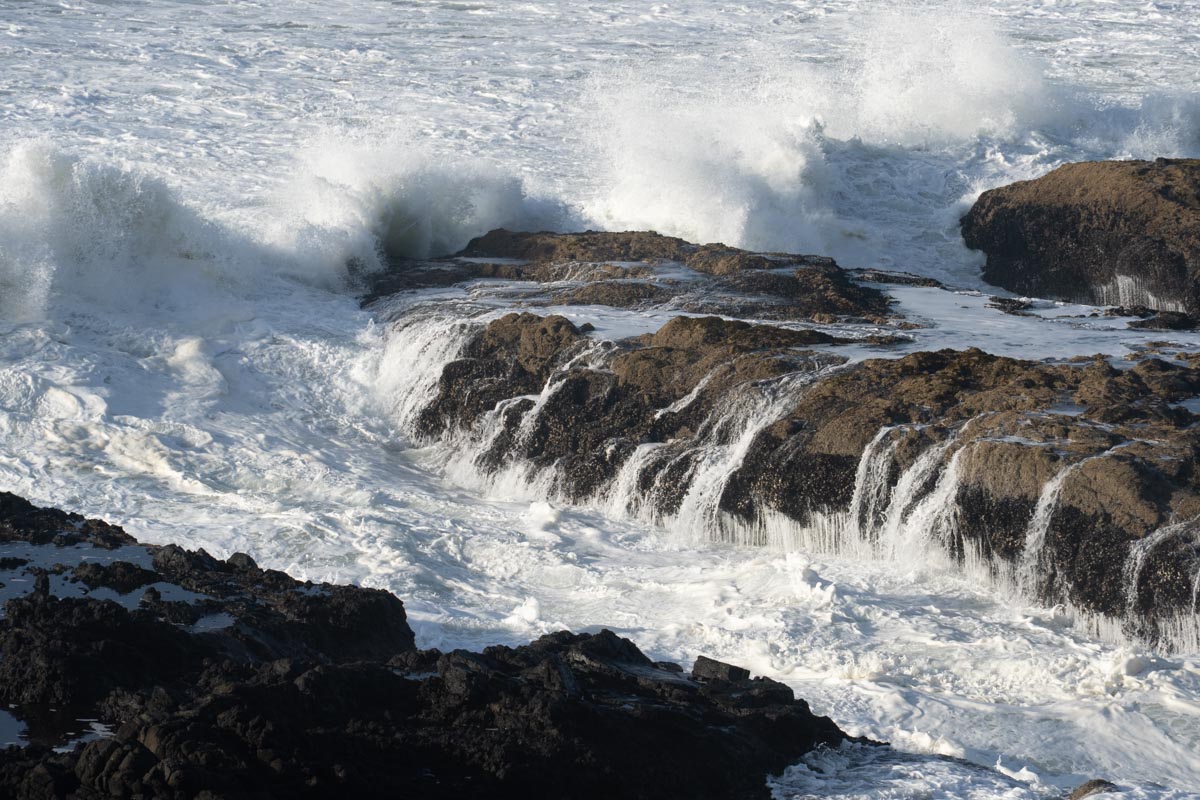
x=173 y=358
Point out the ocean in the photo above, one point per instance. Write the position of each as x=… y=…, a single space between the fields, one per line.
x=190 y=190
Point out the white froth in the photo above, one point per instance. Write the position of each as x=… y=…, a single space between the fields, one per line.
x=176 y=205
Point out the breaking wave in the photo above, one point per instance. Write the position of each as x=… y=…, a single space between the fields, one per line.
x=107 y=236
x=871 y=161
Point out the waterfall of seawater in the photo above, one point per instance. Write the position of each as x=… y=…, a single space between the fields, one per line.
x=910 y=518
x=724 y=443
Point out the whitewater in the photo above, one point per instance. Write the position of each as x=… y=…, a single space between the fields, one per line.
x=191 y=191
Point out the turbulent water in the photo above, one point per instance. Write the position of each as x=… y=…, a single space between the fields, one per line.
x=183 y=185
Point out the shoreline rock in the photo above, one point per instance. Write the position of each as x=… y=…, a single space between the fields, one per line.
x=642 y=269
x=1118 y=534
x=1071 y=482
x=315 y=690
x=1103 y=232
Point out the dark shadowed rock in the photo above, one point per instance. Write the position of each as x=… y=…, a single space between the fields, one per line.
x=21 y=521
x=1168 y=321
x=319 y=691
x=121 y=577
x=707 y=670
x=1109 y=232
x=898 y=278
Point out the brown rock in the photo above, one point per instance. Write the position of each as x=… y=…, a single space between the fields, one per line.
x=1085 y=229
x=1092 y=787
x=588 y=246
x=617 y=294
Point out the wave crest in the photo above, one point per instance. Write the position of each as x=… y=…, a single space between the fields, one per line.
x=99 y=235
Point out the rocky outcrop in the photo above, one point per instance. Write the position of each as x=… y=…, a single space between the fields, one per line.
x=639 y=269
x=1125 y=455
x=598 y=403
x=647 y=417
x=247 y=683
x=1110 y=232
x=1074 y=481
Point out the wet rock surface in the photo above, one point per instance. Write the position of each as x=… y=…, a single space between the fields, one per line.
x=1109 y=232
x=599 y=402
x=641 y=269
x=1012 y=426
x=759 y=424
x=314 y=690
x=647 y=413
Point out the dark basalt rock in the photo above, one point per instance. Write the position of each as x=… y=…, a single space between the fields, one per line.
x=1017 y=306
x=21 y=521
x=897 y=278
x=319 y=691
x=121 y=577
x=1168 y=321
x=1083 y=229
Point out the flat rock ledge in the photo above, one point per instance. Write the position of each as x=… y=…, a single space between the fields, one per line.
x=643 y=269
x=218 y=679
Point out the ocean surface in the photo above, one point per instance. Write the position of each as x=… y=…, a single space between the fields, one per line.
x=183 y=186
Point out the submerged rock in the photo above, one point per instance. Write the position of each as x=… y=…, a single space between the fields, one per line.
x=315 y=690
x=1107 y=232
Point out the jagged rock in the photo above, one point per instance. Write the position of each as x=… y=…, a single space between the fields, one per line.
x=121 y=577
x=21 y=521
x=320 y=691
x=1117 y=232
x=1133 y=457
x=593 y=419
x=511 y=356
